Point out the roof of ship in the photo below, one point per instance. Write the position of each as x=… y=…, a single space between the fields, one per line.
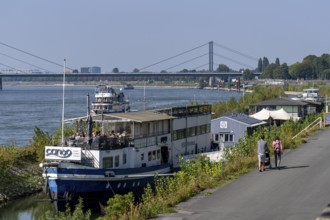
x=140 y=116
x=143 y=116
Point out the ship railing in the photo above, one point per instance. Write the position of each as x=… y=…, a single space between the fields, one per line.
x=89 y=159
x=111 y=143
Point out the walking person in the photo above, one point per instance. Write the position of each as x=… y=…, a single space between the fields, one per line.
x=262 y=146
x=278 y=150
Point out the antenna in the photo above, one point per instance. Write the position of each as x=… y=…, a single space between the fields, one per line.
x=63 y=102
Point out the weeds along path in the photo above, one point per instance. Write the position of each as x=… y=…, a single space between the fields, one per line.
x=299 y=190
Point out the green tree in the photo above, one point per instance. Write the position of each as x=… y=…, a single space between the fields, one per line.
x=281 y=72
x=293 y=71
x=277 y=61
x=115 y=70
x=306 y=70
x=268 y=72
x=265 y=63
x=135 y=70
x=222 y=68
x=248 y=74
x=259 y=68
x=325 y=74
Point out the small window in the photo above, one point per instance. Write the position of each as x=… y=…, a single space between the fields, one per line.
x=108 y=162
x=142 y=157
x=231 y=138
x=117 y=161
x=154 y=155
x=158 y=154
x=149 y=156
x=124 y=158
x=216 y=138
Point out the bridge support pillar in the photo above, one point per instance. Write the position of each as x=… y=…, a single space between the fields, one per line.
x=211 y=56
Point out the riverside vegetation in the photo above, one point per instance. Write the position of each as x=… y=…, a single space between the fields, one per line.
x=19 y=167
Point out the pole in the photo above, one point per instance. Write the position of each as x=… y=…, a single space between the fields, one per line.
x=63 y=102
x=326 y=104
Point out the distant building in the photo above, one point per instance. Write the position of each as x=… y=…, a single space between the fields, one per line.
x=93 y=69
x=227 y=130
x=295 y=108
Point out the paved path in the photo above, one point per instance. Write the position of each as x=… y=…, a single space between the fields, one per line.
x=300 y=190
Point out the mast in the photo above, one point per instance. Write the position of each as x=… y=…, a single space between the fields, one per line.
x=63 y=102
x=144 y=95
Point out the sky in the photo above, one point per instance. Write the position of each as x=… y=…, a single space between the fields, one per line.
x=129 y=34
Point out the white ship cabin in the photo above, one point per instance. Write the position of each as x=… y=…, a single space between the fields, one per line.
x=191 y=131
x=126 y=140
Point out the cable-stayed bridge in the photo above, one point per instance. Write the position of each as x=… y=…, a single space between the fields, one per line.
x=145 y=71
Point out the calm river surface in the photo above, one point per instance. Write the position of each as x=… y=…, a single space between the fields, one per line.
x=22 y=108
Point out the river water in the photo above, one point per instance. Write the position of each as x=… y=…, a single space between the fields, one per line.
x=22 y=108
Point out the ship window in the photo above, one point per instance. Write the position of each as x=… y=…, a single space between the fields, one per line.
x=149 y=156
x=158 y=154
x=175 y=135
x=191 y=132
x=108 y=162
x=124 y=158
x=117 y=161
x=154 y=155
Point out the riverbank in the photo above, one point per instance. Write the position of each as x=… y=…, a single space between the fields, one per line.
x=19 y=181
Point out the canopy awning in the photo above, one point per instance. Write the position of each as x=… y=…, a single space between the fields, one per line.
x=265 y=114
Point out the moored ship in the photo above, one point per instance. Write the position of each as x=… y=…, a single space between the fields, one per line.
x=125 y=154
x=107 y=100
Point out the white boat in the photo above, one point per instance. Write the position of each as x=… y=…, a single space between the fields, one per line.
x=310 y=94
x=128 y=150
x=107 y=100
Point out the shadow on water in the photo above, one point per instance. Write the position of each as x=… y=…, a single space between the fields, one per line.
x=33 y=207
x=30 y=208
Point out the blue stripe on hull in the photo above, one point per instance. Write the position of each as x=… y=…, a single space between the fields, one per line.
x=61 y=186
x=93 y=192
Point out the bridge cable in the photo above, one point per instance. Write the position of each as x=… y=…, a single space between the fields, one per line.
x=14 y=68
x=44 y=59
x=25 y=62
x=232 y=60
x=206 y=64
x=187 y=61
x=235 y=51
x=173 y=56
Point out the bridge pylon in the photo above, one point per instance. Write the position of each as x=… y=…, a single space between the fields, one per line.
x=211 y=56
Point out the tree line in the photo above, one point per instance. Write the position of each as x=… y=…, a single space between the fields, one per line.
x=311 y=67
